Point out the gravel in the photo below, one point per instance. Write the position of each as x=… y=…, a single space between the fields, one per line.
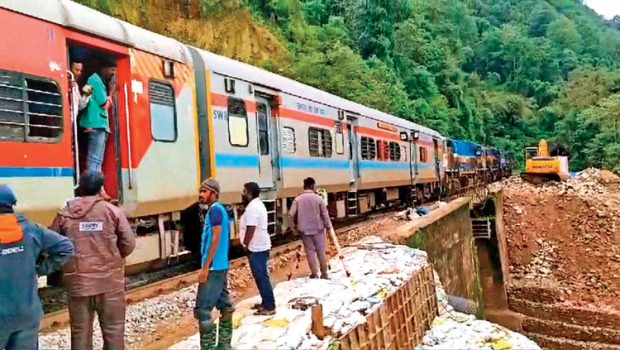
x=143 y=318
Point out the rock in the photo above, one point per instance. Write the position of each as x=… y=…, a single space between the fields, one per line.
x=607 y=177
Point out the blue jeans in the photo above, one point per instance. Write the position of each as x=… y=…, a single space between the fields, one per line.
x=96 y=149
x=213 y=293
x=260 y=272
x=25 y=339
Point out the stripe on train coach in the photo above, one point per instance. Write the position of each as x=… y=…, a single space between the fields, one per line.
x=235 y=161
x=314 y=163
x=252 y=161
x=36 y=172
x=378 y=165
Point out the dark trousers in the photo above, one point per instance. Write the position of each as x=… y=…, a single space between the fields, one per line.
x=24 y=339
x=260 y=272
x=110 y=309
x=214 y=293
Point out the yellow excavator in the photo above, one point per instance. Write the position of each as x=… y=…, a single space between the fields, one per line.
x=541 y=167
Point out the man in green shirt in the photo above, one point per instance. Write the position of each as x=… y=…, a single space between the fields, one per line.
x=95 y=121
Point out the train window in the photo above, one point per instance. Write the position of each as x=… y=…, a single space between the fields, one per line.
x=263 y=129
x=423 y=155
x=30 y=108
x=403 y=153
x=320 y=143
x=288 y=140
x=394 y=151
x=369 y=151
x=383 y=150
x=163 y=112
x=339 y=138
x=237 y=122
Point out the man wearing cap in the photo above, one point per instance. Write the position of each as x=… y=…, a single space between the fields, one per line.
x=213 y=276
x=21 y=244
x=95 y=278
x=95 y=121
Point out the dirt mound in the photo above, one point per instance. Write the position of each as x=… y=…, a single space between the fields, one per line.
x=565 y=237
x=601 y=176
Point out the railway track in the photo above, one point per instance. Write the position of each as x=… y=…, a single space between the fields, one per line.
x=138 y=291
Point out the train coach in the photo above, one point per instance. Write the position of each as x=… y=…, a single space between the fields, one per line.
x=182 y=115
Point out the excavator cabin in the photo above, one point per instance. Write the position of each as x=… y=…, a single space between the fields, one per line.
x=541 y=167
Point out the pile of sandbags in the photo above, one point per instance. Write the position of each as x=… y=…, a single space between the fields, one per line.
x=455 y=330
x=377 y=270
x=460 y=331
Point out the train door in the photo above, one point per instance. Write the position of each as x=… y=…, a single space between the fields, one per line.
x=204 y=144
x=437 y=160
x=414 y=159
x=91 y=59
x=353 y=154
x=265 y=144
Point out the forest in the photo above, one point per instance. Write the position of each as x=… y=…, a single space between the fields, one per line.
x=497 y=72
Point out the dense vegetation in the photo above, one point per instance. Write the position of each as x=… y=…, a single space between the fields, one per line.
x=501 y=72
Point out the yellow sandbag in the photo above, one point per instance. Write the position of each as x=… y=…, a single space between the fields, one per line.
x=501 y=344
x=438 y=322
x=282 y=323
x=237 y=320
x=382 y=294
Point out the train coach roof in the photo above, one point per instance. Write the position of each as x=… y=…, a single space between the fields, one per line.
x=239 y=70
x=465 y=148
x=73 y=15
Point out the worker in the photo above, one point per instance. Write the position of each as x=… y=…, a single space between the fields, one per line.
x=309 y=218
x=213 y=276
x=21 y=244
x=255 y=238
x=95 y=278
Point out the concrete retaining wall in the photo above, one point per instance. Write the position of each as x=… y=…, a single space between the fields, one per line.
x=446 y=235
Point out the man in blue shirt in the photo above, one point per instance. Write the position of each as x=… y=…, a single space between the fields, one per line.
x=213 y=276
x=21 y=244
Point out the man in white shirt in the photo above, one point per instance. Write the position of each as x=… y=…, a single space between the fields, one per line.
x=255 y=238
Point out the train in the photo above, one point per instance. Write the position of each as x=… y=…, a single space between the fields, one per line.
x=181 y=115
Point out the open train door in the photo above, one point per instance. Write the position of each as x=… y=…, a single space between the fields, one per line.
x=353 y=154
x=266 y=143
x=90 y=52
x=437 y=160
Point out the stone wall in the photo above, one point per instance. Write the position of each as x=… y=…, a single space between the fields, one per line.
x=446 y=235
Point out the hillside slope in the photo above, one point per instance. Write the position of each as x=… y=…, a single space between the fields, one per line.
x=498 y=72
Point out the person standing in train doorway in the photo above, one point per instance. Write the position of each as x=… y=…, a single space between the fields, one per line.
x=79 y=101
x=95 y=278
x=255 y=238
x=21 y=244
x=309 y=217
x=213 y=276
x=95 y=121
